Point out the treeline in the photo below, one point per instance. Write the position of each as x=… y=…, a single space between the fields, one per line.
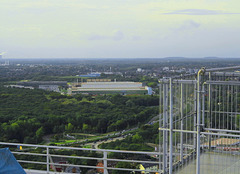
x=27 y=115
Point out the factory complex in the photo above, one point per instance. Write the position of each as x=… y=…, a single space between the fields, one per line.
x=91 y=86
x=106 y=87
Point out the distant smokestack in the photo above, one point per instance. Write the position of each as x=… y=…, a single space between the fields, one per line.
x=1 y=55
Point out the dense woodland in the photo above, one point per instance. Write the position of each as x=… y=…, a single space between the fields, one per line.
x=27 y=115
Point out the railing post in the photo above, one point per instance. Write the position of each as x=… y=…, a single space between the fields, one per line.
x=195 y=117
x=203 y=105
x=199 y=85
x=209 y=110
x=105 y=162
x=47 y=160
x=165 y=144
x=160 y=123
x=181 y=134
x=171 y=129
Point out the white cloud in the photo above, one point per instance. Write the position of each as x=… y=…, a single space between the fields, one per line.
x=199 y=12
x=188 y=25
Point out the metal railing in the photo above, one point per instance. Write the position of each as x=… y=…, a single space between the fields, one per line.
x=104 y=157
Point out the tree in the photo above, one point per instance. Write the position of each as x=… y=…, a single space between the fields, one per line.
x=152 y=84
x=85 y=127
x=69 y=127
x=137 y=138
x=39 y=134
x=125 y=165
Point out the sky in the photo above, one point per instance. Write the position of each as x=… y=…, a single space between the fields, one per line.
x=119 y=28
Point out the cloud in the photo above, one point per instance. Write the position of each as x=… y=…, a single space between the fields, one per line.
x=118 y=35
x=189 y=24
x=199 y=12
x=194 y=24
x=185 y=29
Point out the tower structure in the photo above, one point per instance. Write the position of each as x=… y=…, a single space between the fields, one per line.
x=1 y=55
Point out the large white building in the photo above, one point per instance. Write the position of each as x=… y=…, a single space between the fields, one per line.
x=110 y=87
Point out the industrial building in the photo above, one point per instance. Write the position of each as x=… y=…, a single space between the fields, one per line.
x=45 y=85
x=18 y=86
x=37 y=83
x=91 y=75
x=109 y=87
x=50 y=87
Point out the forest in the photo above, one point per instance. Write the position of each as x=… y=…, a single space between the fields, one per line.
x=27 y=115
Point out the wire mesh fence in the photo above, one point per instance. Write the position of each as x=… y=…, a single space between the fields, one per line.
x=199 y=123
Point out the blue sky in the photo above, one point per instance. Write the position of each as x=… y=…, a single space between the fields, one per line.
x=119 y=28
